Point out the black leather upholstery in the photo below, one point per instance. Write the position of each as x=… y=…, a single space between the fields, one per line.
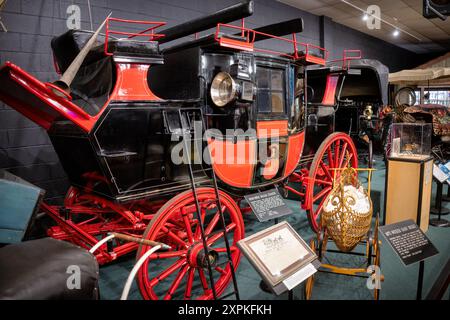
x=66 y=47
x=38 y=270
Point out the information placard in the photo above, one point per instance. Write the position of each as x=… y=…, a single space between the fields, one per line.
x=268 y=205
x=280 y=256
x=408 y=241
x=439 y=174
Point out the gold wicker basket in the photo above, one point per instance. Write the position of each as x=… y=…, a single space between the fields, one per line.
x=344 y=225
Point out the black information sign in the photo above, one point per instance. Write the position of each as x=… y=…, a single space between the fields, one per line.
x=268 y=205
x=408 y=241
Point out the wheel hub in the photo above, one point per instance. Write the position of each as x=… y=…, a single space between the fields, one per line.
x=198 y=258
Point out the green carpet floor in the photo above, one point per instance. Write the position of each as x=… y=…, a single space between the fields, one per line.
x=400 y=281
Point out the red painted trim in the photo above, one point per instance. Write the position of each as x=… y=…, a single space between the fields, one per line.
x=234 y=171
x=53 y=104
x=295 y=148
x=330 y=90
x=249 y=36
x=271 y=128
x=132 y=83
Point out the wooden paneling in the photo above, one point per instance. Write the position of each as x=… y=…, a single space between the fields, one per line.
x=408 y=191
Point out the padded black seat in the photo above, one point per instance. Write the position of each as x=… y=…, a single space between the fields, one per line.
x=66 y=47
x=38 y=270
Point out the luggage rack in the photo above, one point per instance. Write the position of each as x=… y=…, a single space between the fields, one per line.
x=149 y=32
x=246 y=39
x=347 y=56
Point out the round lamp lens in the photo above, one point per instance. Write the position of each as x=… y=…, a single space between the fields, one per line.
x=223 y=89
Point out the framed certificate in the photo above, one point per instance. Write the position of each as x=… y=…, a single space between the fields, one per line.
x=277 y=252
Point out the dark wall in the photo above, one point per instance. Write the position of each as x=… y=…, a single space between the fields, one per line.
x=25 y=149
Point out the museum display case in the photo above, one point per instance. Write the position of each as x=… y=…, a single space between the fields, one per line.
x=411 y=140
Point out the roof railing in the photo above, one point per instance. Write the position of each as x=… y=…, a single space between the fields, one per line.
x=246 y=39
x=149 y=32
x=347 y=56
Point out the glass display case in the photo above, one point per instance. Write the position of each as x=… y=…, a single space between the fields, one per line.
x=411 y=140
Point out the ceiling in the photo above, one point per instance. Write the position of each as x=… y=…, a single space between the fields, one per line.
x=425 y=35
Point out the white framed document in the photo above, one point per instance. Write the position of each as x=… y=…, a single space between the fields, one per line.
x=277 y=253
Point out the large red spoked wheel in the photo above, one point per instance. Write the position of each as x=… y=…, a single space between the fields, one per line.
x=336 y=151
x=181 y=273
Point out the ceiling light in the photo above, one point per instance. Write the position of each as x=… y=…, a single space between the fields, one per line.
x=395 y=33
x=365 y=17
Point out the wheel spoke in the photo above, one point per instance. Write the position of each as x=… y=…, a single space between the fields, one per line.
x=175 y=237
x=323 y=192
x=221 y=271
x=203 y=280
x=319 y=208
x=198 y=233
x=320 y=181
x=167 y=272
x=224 y=250
x=220 y=234
x=166 y=255
x=347 y=161
x=330 y=158
x=342 y=157
x=212 y=224
x=188 y=228
x=175 y=223
x=189 y=281
x=336 y=151
x=326 y=170
x=176 y=283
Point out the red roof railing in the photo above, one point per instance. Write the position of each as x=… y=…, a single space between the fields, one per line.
x=347 y=56
x=247 y=40
x=149 y=32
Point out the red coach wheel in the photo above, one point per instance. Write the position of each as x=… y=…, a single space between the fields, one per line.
x=71 y=196
x=96 y=217
x=336 y=151
x=182 y=271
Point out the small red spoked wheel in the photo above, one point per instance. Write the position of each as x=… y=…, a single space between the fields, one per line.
x=182 y=273
x=71 y=196
x=336 y=151
x=96 y=217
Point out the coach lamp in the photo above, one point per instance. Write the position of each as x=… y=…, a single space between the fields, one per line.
x=226 y=88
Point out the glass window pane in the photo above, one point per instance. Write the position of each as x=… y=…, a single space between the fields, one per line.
x=277 y=80
x=263 y=101
x=277 y=102
x=262 y=76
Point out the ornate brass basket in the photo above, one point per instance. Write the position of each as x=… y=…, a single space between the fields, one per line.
x=344 y=224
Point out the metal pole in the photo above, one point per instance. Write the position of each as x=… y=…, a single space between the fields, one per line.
x=90 y=14
x=420 y=280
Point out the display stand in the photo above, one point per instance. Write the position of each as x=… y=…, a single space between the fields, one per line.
x=408 y=190
x=411 y=245
x=447 y=197
x=372 y=244
x=370 y=241
x=439 y=222
x=281 y=257
x=265 y=287
x=420 y=280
